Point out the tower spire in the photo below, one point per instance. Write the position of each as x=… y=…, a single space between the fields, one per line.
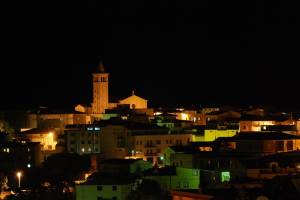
x=101 y=67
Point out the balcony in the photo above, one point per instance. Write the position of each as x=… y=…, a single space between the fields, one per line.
x=150 y=146
x=150 y=154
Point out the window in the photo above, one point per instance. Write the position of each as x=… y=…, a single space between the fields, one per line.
x=141 y=142
x=72 y=142
x=289 y=145
x=279 y=146
x=195 y=172
x=186 y=184
x=96 y=149
x=171 y=141
x=157 y=150
x=99 y=188
x=82 y=141
x=120 y=141
x=158 y=142
x=167 y=142
x=114 y=187
x=72 y=149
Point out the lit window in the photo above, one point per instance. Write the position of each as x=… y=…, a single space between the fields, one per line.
x=97 y=129
x=225 y=176
x=28 y=149
x=7 y=150
x=82 y=150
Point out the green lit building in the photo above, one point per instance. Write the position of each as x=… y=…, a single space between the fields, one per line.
x=106 y=186
x=175 y=178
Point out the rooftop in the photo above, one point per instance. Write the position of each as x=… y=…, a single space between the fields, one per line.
x=264 y=135
x=110 y=179
x=120 y=161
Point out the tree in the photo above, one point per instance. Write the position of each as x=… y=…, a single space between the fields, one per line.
x=3 y=182
x=65 y=167
x=4 y=127
x=148 y=190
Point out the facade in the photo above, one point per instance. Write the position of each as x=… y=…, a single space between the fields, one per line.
x=104 y=186
x=266 y=142
x=115 y=141
x=20 y=155
x=176 y=178
x=124 y=166
x=151 y=146
x=101 y=192
x=212 y=134
x=215 y=167
x=83 y=139
x=46 y=137
x=57 y=121
x=267 y=167
x=135 y=102
x=248 y=124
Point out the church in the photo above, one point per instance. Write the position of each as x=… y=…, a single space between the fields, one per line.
x=101 y=101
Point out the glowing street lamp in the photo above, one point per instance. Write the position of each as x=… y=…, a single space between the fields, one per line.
x=50 y=134
x=19 y=175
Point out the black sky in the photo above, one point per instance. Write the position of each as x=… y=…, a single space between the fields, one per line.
x=172 y=52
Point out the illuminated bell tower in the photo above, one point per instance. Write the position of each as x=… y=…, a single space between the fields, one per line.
x=100 y=90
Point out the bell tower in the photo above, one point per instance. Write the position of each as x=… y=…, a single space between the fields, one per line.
x=100 y=90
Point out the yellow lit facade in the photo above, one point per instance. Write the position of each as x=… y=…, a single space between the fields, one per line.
x=191 y=115
x=135 y=102
x=46 y=138
x=246 y=126
x=152 y=147
x=211 y=135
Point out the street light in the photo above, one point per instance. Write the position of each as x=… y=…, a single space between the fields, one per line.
x=19 y=175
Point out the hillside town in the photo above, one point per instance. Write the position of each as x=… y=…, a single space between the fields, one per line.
x=122 y=149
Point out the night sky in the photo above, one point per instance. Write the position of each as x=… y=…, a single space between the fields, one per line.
x=170 y=52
